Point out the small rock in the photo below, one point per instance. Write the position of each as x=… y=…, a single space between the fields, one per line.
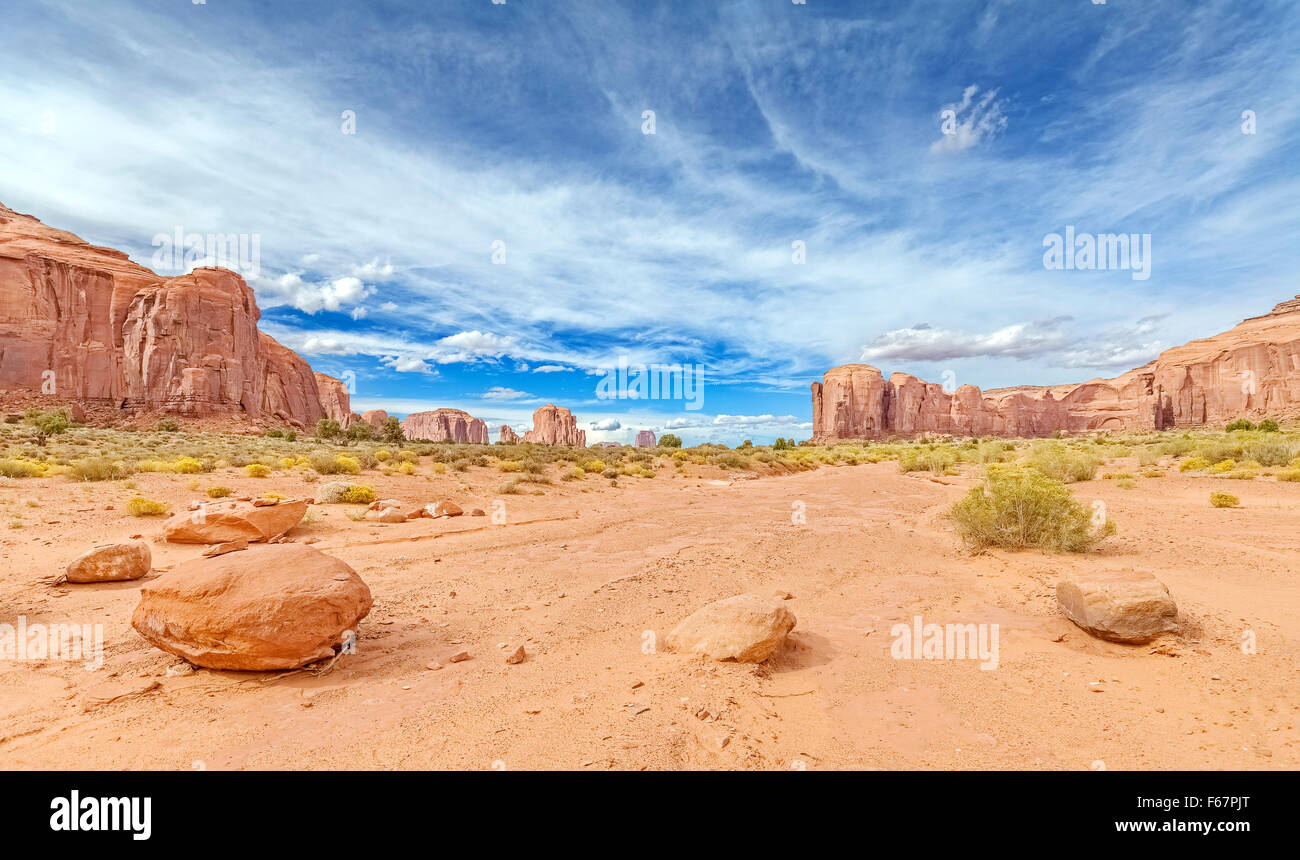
x=477 y=512
x=517 y=656
x=446 y=509
x=111 y=563
x=265 y=503
x=391 y=515
x=459 y=657
x=223 y=548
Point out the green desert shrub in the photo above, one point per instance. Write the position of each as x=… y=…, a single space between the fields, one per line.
x=1268 y=425
x=924 y=459
x=1019 y=508
x=1063 y=463
x=1240 y=424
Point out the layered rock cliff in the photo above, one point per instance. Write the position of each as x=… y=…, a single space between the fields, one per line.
x=1252 y=370
x=445 y=425
x=645 y=439
x=555 y=425
x=508 y=436
x=83 y=325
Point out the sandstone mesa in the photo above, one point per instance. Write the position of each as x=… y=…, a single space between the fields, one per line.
x=83 y=325
x=1252 y=370
x=445 y=425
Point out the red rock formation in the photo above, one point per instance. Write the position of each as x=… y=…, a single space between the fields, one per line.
x=84 y=324
x=334 y=399
x=375 y=418
x=509 y=436
x=445 y=425
x=555 y=425
x=1253 y=370
x=645 y=439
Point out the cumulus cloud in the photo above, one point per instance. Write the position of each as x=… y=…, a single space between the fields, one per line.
x=966 y=123
x=406 y=364
x=311 y=297
x=468 y=346
x=373 y=271
x=607 y=424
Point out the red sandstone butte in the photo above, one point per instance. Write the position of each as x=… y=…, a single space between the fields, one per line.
x=1252 y=370
x=445 y=425
x=645 y=439
x=555 y=425
x=89 y=327
x=334 y=399
x=509 y=436
x=375 y=418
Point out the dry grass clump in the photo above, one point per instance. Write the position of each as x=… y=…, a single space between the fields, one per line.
x=339 y=492
x=218 y=492
x=1020 y=508
x=1224 y=500
x=1063 y=463
x=938 y=460
x=257 y=470
x=99 y=469
x=14 y=468
x=139 y=506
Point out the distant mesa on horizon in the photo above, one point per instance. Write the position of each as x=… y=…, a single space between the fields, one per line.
x=1252 y=370
x=445 y=425
x=645 y=439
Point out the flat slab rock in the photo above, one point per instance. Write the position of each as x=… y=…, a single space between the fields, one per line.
x=115 y=562
x=224 y=522
x=1119 y=605
x=278 y=606
x=746 y=628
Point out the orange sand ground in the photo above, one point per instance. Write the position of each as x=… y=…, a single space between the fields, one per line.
x=579 y=574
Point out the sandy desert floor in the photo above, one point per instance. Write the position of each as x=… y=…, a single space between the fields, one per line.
x=579 y=574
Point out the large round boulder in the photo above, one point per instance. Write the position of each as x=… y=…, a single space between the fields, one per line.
x=746 y=628
x=278 y=606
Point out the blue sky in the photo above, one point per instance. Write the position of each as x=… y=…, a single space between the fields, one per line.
x=775 y=123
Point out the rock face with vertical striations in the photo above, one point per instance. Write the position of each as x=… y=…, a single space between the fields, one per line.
x=334 y=399
x=1252 y=371
x=446 y=425
x=85 y=325
x=645 y=439
x=509 y=436
x=375 y=418
x=555 y=425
